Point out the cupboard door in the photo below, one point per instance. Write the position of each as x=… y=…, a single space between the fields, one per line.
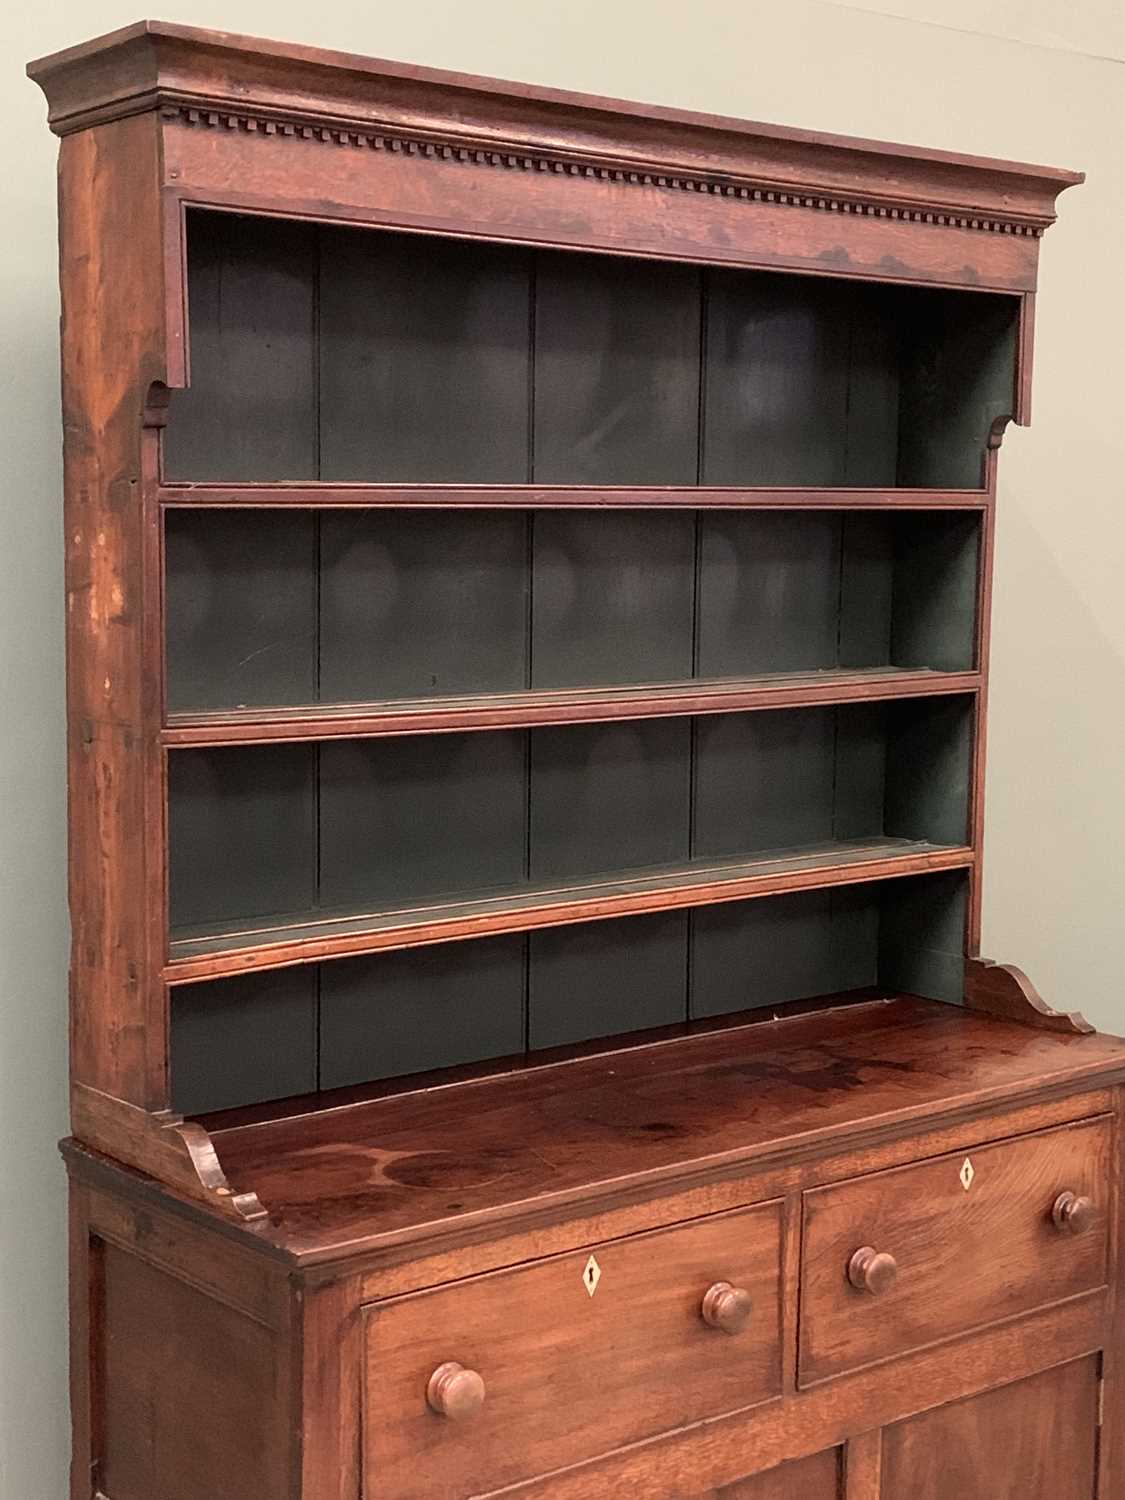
x=1033 y=1440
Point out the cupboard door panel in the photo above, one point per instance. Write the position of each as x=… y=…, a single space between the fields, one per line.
x=1033 y=1440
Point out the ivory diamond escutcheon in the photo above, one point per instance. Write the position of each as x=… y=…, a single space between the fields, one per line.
x=967 y=1174
x=591 y=1275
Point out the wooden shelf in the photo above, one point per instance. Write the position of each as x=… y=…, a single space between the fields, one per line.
x=573 y=706
x=521 y=1144
x=334 y=496
x=305 y=939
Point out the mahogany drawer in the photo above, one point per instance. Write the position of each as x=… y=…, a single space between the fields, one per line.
x=910 y=1256
x=570 y=1357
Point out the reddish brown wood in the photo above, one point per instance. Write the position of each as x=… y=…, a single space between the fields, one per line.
x=165 y=1145
x=112 y=351
x=630 y=1325
x=973 y=1238
x=727 y=1307
x=244 y=950
x=1111 y=1395
x=1074 y=1213
x=815 y=1478
x=555 y=497
x=578 y=1136
x=863 y=1467
x=716 y=1452
x=871 y=1270
x=454 y=1392
x=142 y=66
x=391 y=1291
x=580 y=706
x=328 y=1359
x=1036 y=1437
x=1004 y=990
x=219 y=1428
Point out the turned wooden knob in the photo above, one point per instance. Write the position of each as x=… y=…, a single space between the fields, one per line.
x=1072 y=1212
x=455 y=1392
x=727 y=1307
x=871 y=1270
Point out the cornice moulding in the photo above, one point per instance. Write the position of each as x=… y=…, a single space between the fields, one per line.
x=197 y=77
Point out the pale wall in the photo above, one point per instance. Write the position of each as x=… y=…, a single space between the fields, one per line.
x=1042 y=81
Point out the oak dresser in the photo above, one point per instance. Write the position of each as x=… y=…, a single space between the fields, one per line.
x=528 y=590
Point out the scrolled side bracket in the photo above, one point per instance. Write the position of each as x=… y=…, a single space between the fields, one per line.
x=163 y=1145
x=1005 y=991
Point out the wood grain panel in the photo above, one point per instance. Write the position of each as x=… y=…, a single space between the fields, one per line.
x=965 y=1256
x=641 y=1331
x=220 y=1428
x=815 y=1478
x=1035 y=1437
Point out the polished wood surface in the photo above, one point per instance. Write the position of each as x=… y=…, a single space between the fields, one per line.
x=242 y=949
x=668 y=1135
x=574 y=1133
x=816 y=1478
x=599 y=1354
x=152 y=1447
x=871 y=1270
x=1034 y=1437
x=969 y=1238
x=727 y=1307
x=497 y=711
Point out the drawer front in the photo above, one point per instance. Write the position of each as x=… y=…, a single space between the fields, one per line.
x=570 y=1357
x=907 y=1257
